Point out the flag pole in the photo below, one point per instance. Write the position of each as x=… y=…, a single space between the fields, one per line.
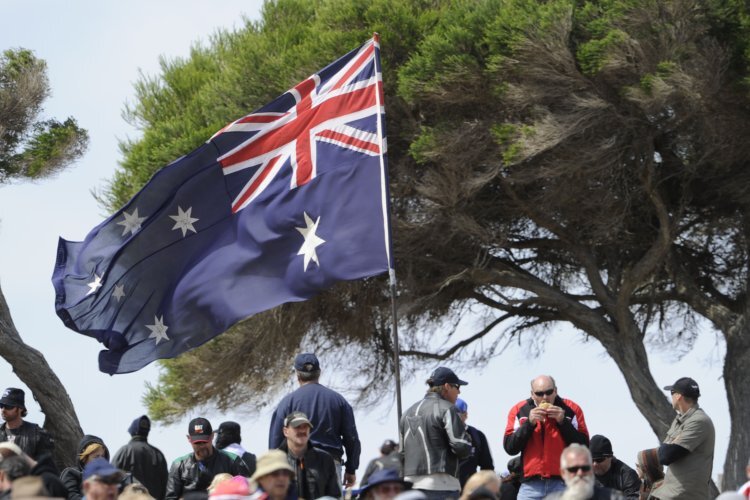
x=386 y=217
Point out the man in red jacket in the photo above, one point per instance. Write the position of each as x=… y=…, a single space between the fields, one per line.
x=540 y=428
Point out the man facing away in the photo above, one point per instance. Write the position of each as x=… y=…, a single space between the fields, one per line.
x=196 y=470
x=611 y=472
x=539 y=428
x=315 y=470
x=480 y=449
x=335 y=430
x=229 y=438
x=577 y=473
x=434 y=439
x=688 y=449
x=32 y=439
x=145 y=462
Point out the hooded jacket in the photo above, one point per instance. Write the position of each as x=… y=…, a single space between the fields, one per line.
x=146 y=463
x=72 y=477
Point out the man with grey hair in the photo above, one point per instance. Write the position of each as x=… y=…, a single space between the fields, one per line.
x=578 y=474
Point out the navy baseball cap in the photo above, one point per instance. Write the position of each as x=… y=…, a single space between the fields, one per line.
x=685 y=386
x=103 y=470
x=306 y=362
x=443 y=375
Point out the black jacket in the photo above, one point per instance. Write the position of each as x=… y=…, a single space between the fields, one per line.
x=188 y=474
x=390 y=461
x=32 y=439
x=146 y=463
x=319 y=473
x=46 y=470
x=72 y=476
x=480 y=455
x=622 y=478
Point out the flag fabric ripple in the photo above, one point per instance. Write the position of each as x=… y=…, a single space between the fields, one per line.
x=276 y=207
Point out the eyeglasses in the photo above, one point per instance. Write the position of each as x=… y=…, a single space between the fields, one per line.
x=599 y=460
x=574 y=469
x=548 y=392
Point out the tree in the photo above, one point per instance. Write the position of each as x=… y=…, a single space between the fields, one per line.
x=32 y=149
x=562 y=161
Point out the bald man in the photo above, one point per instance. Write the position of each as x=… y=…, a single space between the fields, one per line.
x=540 y=428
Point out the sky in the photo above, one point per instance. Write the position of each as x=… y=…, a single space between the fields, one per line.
x=94 y=51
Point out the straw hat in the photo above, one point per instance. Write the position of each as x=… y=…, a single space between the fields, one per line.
x=272 y=461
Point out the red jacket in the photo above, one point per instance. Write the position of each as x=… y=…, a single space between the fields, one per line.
x=541 y=445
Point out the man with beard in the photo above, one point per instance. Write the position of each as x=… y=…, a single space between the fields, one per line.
x=194 y=471
x=578 y=474
x=32 y=439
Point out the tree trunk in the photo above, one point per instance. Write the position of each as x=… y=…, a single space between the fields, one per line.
x=60 y=420
x=736 y=365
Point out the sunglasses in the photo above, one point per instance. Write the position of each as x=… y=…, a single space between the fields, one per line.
x=576 y=468
x=456 y=386
x=548 y=392
x=599 y=460
x=2 y=406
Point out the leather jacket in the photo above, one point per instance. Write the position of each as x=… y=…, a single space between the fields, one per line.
x=433 y=438
x=188 y=474
x=32 y=439
x=622 y=478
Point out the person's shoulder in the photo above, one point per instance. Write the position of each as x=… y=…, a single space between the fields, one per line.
x=184 y=458
x=571 y=404
x=321 y=454
x=229 y=454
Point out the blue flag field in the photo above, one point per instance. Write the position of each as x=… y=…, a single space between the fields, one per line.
x=276 y=207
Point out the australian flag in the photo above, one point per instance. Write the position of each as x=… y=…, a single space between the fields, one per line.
x=276 y=207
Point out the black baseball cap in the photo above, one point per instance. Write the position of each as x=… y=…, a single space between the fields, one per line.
x=200 y=430
x=600 y=447
x=443 y=375
x=685 y=386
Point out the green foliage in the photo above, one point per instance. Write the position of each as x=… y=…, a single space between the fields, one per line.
x=31 y=148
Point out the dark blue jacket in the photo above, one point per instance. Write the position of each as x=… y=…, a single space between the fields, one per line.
x=332 y=417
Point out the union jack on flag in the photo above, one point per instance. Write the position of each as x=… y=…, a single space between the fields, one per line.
x=276 y=207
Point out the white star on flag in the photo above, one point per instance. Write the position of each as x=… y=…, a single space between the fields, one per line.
x=94 y=285
x=119 y=292
x=184 y=221
x=158 y=330
x=312 y=241
x=131 y=222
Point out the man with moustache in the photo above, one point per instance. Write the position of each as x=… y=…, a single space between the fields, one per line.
x=315 y=471
x=196 y=470
x=32 y=439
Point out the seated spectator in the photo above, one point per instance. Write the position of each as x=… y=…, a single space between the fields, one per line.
x=89 y=448
x=101 y=480
x=650 y=471
x=43 y=468
x=273 y=477
x=28 y=487
x=388 y=459
x=383 y=484
x=11 y=468
x=234 y=488
x=486 y=480
x=511 y=483
x=612 y=472
x=135 y=491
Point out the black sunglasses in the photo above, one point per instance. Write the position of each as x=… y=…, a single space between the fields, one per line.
x=456 y=386
x=548 y=392
x=600 y=460
x=576 y=468
x=2 y=406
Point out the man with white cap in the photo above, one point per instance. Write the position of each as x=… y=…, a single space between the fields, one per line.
x=688 y=449
x=315 y=471
x=32 y=439
x=196 y=470
x=434 y=439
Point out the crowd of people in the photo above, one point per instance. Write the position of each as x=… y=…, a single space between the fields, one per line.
x=314 y=452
